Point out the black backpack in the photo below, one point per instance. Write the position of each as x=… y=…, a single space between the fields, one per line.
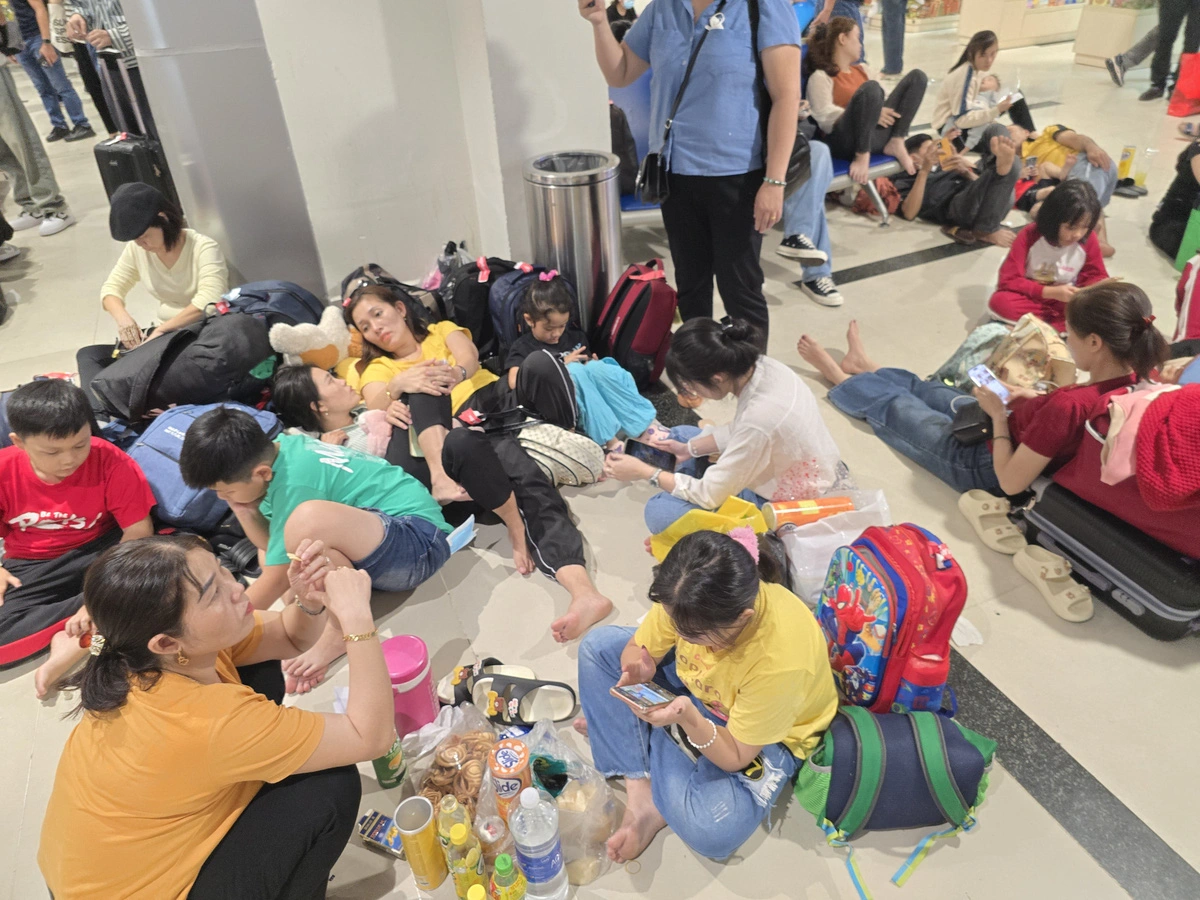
x=374 y=273
x=467 y=291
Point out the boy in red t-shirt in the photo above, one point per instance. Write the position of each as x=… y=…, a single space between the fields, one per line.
x=65 y=498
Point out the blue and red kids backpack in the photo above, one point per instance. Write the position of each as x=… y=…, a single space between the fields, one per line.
x=888 y=607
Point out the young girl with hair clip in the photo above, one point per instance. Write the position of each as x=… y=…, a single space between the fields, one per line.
x=1052 y=258
x=1111 y=336
x=751 y=671
x=848 y=102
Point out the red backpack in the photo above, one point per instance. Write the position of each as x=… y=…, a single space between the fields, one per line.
x=634 y=325
x=1188 y=320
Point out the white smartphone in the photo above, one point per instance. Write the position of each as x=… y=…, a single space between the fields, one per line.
x=1015 y=96
x=985 y=378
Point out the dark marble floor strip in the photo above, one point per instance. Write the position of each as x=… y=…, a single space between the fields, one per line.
x=903 y=261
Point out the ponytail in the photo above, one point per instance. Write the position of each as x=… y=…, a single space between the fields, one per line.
x=774 y=566
x=703 y=349
x=1120 y=315
x=133 y=592
x=981 y=42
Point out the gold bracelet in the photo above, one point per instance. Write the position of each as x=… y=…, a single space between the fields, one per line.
x=351 y=638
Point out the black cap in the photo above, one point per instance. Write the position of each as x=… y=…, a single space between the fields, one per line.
x=132 y=209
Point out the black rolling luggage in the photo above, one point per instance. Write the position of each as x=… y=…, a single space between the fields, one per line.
x=1154 y=587
x=130 y=157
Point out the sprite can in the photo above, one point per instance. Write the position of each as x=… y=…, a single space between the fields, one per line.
x=390 y=768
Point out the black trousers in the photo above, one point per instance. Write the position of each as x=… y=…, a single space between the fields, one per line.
x=1171 y=14
x=90 y=361
x=710 y=229
x=91 y=81
x=859 y=131
x=982 y=204
x=286 y=840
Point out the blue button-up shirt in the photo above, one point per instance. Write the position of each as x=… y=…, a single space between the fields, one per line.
x=717 y=129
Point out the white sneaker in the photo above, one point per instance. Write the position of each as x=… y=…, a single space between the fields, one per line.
x=55 y=223
x=25 y=220
x=8 y=251
x=823 y=290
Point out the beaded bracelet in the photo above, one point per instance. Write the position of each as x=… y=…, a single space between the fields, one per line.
x=774 y=182
x=714 y=737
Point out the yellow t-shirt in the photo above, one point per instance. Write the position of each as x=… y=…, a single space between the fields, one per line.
x=143 y=795
x=773 y=686
x=433 y=347
x=1044 y=148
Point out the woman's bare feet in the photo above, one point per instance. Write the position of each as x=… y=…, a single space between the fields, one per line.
x=521 y=558
x=446 y=490
x=818 y=357
x=641 y=823
x=307 y=670
x=647 y=544
x=588 y=605
x=580 y=725
x=1001 y=237
x=856 y=360
x=293 y=685
x=65 y=654
x=859 y=167
x=895 y=147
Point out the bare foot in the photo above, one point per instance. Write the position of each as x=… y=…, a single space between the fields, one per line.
x=856 y=359
x=521 y=558
x=1001 y=237
x=895 y=147
x=860 y=167
x=818 y=357
x=580 y=725
x=647 y=544
x=309 y=667
x=65 y=654
x=294 y=685
x=586 y=609
x=446 y=490
x=1005 y=151
x=641 y=823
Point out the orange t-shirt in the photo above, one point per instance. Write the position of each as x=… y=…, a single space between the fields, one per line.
x=143 y=795
x=846 y=83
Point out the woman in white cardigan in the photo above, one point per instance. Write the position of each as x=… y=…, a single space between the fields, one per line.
x=848 y=102
x=962 y=105
x=776 y=448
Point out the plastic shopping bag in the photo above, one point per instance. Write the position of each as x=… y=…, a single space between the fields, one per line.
x=449 y=755
x=810 y=547
x=1185 y=101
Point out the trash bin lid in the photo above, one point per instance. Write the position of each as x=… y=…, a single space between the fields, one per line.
x=572 y=167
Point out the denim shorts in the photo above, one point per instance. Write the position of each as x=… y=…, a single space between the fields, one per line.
x=412 y=549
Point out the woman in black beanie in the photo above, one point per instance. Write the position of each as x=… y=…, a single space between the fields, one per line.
x=180 y=268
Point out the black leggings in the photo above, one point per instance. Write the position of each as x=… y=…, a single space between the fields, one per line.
x=859 y=131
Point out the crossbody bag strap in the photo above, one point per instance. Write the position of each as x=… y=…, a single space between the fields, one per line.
x=962 y=101
x=687 y=75
x=760 y=77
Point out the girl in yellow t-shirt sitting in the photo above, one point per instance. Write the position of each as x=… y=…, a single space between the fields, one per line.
x=181 y=781
x=750 y=665
x=426 y=373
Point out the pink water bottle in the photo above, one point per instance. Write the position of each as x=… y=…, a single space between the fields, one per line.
x=407 y=660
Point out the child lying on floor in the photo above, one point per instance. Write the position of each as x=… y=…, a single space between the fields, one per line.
x=312 y=401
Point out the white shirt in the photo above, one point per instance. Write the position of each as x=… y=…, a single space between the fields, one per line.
x=198 y=278
x=1047 y=264
x=776 y=444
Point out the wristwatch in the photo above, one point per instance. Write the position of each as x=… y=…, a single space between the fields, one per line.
x=654 y=477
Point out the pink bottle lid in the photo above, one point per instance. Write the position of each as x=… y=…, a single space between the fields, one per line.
x=406 y=657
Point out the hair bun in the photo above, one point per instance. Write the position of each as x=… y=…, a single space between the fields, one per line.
x=736 y=329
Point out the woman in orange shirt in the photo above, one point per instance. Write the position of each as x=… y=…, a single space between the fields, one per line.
x=182 y=782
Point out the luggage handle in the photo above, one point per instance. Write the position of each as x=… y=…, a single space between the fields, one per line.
x=115 y=56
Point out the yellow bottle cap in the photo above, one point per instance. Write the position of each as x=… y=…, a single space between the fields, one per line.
x=458 y=834
x=476 y=892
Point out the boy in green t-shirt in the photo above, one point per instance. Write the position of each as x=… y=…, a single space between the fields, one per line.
x=330 y=505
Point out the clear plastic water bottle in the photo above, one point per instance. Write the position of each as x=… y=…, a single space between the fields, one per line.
x=534 y=827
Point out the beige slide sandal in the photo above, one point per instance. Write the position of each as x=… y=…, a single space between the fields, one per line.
x=1051 y=575
x=988 y=515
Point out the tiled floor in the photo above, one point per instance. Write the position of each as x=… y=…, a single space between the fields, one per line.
x=1121 y=704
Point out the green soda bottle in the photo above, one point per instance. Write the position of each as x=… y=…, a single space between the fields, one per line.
x=508 y=882
x=390 y=768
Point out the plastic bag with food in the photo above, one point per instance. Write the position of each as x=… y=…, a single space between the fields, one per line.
x=587 y=810
x=449 y=755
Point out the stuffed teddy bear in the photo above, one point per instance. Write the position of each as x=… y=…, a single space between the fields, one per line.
x=323 y=345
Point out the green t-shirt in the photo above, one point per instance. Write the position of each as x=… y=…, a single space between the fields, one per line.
x=307 y=469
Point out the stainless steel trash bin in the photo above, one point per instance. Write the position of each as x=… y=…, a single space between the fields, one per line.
x=575 y=221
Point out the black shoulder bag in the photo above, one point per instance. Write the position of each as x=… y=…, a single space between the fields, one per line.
x=652 y=184
x=799 y=168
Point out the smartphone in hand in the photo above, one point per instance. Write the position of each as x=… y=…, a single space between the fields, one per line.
x=983 y=377
x=644 y=696
x=658 y=458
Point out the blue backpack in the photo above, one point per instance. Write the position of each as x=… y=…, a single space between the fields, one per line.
x=273 y=302
x=504 y=303
x=157 y=452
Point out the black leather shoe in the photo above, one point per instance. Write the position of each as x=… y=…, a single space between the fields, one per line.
x=57 y=134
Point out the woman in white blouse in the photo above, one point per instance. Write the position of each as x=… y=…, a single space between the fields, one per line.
x=180 y=268
x=963 y=104
x=776 y=447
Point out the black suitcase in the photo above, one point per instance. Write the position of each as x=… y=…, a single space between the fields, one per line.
x=130 y=157
x=1154 y=587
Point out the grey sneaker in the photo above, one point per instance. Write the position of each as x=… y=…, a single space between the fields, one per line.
x=1116 y=69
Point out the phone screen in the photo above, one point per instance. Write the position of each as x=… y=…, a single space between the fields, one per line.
x=984 y=378
x=645 y=695
x=652 y=455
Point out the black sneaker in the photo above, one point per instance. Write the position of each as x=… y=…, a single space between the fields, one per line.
x=799 y=247
x=1152 y=93
x=80 y=132
x=1116 y=69
x=823 y=290
x=56 y=134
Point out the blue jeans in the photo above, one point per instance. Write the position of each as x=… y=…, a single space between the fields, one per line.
x=804 y=210
x=412 y=549
x=52 y=86
x=893 y=35
x=852 y=9
x=712 y=810
x=663 y=509
x=914 y=416
x=1103 y=180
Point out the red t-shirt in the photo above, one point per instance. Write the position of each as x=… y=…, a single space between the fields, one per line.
x=44 y=521
x=1053 y=424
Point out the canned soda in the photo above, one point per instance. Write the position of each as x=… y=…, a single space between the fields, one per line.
x=509 y=765
x=390 y=768
x=418 y=834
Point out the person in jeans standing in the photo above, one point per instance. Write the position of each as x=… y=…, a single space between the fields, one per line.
x=44 y=67
x=726 y=181
x=1171 y=14
x=806 y=232
x=893 y=37
x=23 y=159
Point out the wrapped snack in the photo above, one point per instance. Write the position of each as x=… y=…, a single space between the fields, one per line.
x=449 y=755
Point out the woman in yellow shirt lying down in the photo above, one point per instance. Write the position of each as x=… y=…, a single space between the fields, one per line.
x=750 y=665
x=182 y=782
